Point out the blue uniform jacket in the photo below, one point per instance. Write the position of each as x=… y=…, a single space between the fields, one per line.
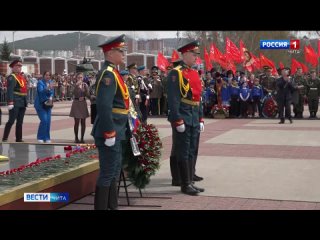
x=257 y=91
x=43 y=94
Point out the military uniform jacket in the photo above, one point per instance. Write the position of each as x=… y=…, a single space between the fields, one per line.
x=156 y=87
x=112 y=99
x=17 y=90
x=268 y=83
x=300 y=82
x=184 y=89
x=143 y=89
x=132 y=81
x=313 y=88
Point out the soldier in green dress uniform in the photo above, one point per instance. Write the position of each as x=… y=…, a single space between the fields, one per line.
x=185 y=114
x=112 y=99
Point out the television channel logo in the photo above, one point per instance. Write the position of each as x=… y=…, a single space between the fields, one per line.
x=46 y=197
x=280 y=44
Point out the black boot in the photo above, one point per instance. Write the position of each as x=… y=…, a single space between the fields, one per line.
x=290 y=119
x=113 y=196
x=6 y=132
x=175 y=171
x=19 y=133
x=197 y=178
x=101 y=198
x=281 y=121
x=186 y=186
x=198 y=188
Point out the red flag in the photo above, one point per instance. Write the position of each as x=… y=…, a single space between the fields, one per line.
x=264 y=61
x=294 y=65
x=207 y=60
x=231 y=66
x=304 y=68
x=256 y=63
x=198 y=60
x=318 y=47
x=310 y=55
x=281 y=65
x=232 y=52
x=174 y=56
x=216 y=55
x=162 y=62
x=242 y=49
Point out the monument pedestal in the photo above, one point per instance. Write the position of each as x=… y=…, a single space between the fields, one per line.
x=78 y=182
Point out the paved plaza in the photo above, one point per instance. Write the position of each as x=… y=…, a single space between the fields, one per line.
x=246 y=164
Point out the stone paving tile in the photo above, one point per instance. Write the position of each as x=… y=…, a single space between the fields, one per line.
x=265 y=151
x=289 y=205
x=258 y=204
x=317 y=207
x=177 y=200
x=228 y=203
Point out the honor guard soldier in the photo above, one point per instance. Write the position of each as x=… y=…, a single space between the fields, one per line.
x=300 y=83
x=267 y=81
x=156 y=92
x=143 y=91
x=313 y=88
x=132 y=81
x=16 y=99
x=112 y=99
x=185 y=115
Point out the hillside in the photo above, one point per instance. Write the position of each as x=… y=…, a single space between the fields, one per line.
x=68 y=41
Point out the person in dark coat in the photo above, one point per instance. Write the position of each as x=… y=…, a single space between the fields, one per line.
x=284 y=95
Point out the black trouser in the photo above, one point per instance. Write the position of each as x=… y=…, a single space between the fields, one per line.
x=17 y=113
x=244 y=108
x=185 y=146
x=196 y=154
x=144 y=109
x=256 y=102
x=155 y=106
x=234 y=106
x=93 y=108
x=313 y=103
x=284 y=104
x=174 y=168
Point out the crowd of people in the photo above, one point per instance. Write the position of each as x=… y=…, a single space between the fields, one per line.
x=244 y=95
x=183 y=93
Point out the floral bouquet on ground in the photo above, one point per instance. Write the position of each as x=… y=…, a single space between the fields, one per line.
x=140 y=168
x=269 y=107
x=220 y=111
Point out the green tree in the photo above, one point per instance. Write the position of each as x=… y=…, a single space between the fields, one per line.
x=5 y=51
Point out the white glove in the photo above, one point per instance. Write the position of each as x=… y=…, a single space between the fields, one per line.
x=109 y=142
x=10 y=107
x=132 y=87
x=150 y=86
x=201 y=127
x=181 y=128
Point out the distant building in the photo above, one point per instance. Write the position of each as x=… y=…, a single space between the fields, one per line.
x=26 y=52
